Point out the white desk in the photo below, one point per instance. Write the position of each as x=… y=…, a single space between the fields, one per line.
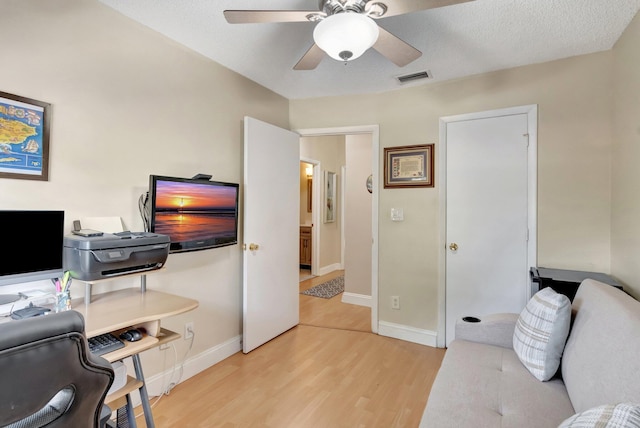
x=116 y=311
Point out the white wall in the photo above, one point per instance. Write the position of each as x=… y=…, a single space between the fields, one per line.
x=358 y=211
x=625 y=209
x=126 y=103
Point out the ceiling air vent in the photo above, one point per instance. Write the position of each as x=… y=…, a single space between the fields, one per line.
x=415 y=76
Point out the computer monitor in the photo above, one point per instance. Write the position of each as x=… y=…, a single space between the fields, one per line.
x=33 y=244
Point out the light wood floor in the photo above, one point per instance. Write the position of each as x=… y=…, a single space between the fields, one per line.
x=332 y=313
x=328 y=372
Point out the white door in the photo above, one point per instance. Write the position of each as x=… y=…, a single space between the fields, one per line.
x=487 y=209
x=271 y=232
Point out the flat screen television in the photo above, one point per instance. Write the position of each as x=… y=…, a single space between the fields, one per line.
x=33 y=244
x=196 y=214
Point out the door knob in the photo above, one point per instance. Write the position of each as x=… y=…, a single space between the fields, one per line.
x=453 y=246
x=253 y=247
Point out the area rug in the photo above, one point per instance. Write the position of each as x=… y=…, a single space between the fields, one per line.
x=328 y=289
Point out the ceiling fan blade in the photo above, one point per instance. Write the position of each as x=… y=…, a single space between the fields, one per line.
x=398 y=51
x=311 y=59
x=263 y=16
x=399 y=7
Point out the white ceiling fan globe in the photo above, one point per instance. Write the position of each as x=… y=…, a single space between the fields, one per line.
x=345 y=36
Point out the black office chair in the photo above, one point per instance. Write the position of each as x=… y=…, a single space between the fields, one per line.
x=48 y=377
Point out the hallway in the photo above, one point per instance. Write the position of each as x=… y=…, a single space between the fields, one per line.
x=332 y=313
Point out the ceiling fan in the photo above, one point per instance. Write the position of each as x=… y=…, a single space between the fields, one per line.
x=345 y=29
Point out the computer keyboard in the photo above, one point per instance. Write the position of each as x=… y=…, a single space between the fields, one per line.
x=105 y=343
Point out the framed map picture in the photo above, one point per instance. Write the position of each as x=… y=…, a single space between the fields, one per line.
x=24 y=138
x=408 y=166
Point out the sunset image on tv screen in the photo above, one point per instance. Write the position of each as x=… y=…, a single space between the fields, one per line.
x=192 y=211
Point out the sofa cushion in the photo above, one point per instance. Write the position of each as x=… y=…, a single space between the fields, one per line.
x=482 y=385
x=541 y=332
x=624 y=415
x=601 y=362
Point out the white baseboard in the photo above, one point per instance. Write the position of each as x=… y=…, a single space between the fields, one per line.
x=329 y=268
x=356 y=299
x=410 y=334
x=192 y=367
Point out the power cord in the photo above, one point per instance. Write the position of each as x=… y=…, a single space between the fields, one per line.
x=184 y=359
x=13 y=305
x=167 y=390
x=143 y=208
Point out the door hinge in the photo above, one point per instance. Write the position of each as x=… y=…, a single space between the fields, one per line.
x=527 y=136
x=527 y=237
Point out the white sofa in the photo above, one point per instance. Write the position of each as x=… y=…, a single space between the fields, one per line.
x=482 y=382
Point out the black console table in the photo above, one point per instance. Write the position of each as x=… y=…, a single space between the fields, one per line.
x=567 y=281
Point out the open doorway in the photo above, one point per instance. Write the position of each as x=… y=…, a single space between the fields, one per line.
x=332 y=312
x=367 y=295
x=306 y=219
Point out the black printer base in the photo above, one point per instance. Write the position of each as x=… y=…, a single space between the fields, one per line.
x=566 y=281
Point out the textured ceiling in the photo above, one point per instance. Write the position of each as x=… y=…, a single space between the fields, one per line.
x=456 y=41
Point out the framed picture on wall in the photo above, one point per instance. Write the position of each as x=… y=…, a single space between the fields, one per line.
x=408 y=166
x=329 y=197
x=24 y=138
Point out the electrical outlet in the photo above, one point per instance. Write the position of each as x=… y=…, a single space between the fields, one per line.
x=188 y=330
x=395 y=302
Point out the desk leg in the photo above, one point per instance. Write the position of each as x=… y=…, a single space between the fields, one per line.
x=131 y=417
x=144 y=397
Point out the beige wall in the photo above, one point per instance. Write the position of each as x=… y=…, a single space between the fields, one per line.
x=574 y=99
x=625 y=209
x=329 y=151
x=126 y=103
x=358 y=211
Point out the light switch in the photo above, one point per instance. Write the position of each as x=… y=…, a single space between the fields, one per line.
x=397 y=214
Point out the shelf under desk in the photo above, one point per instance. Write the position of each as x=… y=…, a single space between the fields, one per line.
x=117 y=399
x=147 y=342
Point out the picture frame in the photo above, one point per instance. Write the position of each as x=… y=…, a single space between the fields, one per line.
x=24 y=137
x=409 y=166
x=309 y=195
x=329 y=197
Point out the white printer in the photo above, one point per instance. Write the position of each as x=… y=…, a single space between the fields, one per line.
x=90 y=258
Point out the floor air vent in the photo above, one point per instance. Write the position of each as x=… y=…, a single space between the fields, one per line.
x=414 y=76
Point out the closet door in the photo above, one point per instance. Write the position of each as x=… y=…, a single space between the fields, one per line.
x=487 y=217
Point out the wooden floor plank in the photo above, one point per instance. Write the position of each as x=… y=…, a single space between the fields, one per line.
x=311 y=376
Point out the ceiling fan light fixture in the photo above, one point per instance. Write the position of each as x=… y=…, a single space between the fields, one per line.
x=345 y=36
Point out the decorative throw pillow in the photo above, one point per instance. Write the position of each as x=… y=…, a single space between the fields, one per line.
x=624 y=415
x=541 y=332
